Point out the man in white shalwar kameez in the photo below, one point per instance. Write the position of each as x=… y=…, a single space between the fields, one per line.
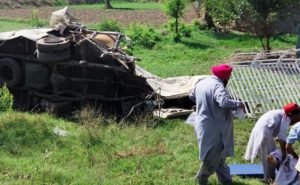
x=270 y=126
x=213 y=124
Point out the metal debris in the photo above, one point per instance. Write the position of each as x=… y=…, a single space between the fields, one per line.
x=265 y=81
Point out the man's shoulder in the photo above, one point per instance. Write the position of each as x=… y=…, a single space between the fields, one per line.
x=296 y=126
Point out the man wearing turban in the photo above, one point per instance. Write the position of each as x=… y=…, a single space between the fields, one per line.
x=214 y=128
x=271 y=125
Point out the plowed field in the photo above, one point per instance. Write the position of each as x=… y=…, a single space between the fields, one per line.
x=124 y=17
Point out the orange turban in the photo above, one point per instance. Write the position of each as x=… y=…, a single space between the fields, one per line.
x=222 y=71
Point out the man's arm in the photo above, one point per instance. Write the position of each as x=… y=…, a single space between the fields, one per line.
x=291 y=139
x=192 y=95
x=282 y=145
x=290 y=150
x=223 y=99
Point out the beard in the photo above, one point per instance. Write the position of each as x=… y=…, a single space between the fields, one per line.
x=225 y=81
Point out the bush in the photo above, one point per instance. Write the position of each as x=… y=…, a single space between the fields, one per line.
x=35 y=21
x=6 y=99
x=109 y=25
x=199 y=26
x=143 y=35
x=185 y=30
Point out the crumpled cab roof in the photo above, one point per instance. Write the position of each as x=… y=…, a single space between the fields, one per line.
x=31 y=34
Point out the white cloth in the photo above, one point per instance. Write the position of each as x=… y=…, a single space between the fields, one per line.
x=272 y=124
x=287 y=174
x=297 y=167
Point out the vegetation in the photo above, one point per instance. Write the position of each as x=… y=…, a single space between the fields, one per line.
x=107 y=4
x=143 y=35
x=174 y=8
x=6 y=99
x=258 y=17
x=103 y=151
x=109 y=25
x=35 y=21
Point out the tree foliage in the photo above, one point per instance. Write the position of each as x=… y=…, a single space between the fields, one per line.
x=174 y=8
x=6 y=99
x=255 y=16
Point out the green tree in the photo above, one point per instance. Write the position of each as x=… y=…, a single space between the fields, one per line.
x=255 y=16
x=174 y=8
x=6 y=99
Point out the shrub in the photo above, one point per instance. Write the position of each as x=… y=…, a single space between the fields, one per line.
x=197 y=25
x=109 y=25
x=143 y=35
x=185 y=30
x=6 y=99
x=35 y=21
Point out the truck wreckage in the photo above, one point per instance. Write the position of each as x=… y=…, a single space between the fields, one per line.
x=65 y=66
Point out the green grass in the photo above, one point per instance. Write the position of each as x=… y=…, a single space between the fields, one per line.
x=195 y=55
x=8 y=24
x=103 y=152
x=93 y=154
x=121 y=6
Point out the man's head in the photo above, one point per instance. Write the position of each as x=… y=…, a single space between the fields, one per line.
x=222 y=71
x=292 y=110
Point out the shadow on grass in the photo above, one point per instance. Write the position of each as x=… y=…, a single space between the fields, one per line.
x=195 y=45
x=231 y=36
x=283 y=39
x=121 y=8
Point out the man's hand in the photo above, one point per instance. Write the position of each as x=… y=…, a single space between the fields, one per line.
x=290 y=150
x=241 y=105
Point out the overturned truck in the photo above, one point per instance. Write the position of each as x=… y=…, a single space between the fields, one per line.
x=62 y=67
x=46 y=68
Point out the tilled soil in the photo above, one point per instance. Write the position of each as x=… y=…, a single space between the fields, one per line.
x=124 y=17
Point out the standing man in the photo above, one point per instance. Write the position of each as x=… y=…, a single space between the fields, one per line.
x=213 y=126
x=272 y=125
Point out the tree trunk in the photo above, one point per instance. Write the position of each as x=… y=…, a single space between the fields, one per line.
x=268 y=47
x=262 y=43
x=107 y=4
x=209 y=21
x=176 y=25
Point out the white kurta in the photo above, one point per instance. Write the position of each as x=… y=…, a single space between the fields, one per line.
x=270 y=125
x=213 y=120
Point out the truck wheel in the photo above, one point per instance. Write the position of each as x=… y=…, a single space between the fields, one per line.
x=53 y=57
x=10 y=72
x=52 y=44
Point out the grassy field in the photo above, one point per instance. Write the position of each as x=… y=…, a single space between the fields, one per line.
x=101 y=151
x=95 y=152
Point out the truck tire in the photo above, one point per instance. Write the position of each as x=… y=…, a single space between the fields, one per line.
x=10 y=72
x=53 y=57
x=52 y=44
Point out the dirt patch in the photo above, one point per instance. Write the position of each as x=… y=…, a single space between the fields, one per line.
x=124 y=17
x=157 y=150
